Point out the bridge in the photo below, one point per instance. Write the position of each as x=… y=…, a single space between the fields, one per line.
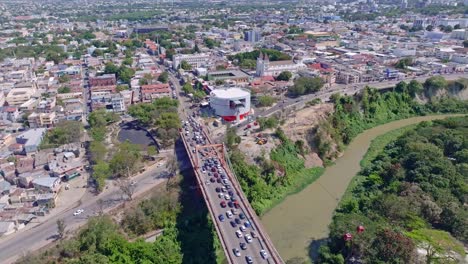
x=242 y=236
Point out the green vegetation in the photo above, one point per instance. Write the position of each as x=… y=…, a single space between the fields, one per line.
x=247 y=59
x=198 y=94
x=161 y=113
x=284 y=76
x=403 y=63
x=269 y=182
x=65 y=132
x=185 y=66
x=266 y=101
x=409 y=195
x=164 y=77
x=50 y=52
x=306 y=85
x=122 y=73
x=355 y=114
x=210 y=43
x=268 y=122
x=64 y=89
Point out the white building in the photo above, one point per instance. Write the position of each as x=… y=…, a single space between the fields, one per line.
x=196 y=60
x=265 y=67
x=461 y=34
x=230 y=103
x=404 y=52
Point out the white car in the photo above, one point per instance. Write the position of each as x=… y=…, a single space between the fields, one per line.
x=239 y=234
x=264 y=254
x=227 y=197
x=78 y=212
x=221 y=195
x=248 y=238
x=242 y=228
x=229 y=214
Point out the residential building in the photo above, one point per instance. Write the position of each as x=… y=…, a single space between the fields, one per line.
x=152 y=91
x=103 y=80
x=19 y=96
x=37 y=120
x=196 y=60
x=31 y=139
x=47 y=184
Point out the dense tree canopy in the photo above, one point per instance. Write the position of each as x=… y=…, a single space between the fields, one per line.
x=412 y=194
x=306 y=85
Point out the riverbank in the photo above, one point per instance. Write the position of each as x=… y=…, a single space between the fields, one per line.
x=302 y=219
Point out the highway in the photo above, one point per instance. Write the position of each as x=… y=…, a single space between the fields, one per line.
x=22 y=242
x=239 y=230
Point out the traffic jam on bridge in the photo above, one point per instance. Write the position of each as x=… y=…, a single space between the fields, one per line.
x=238 y=232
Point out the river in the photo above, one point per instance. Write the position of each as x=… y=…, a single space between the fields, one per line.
x=304 y=217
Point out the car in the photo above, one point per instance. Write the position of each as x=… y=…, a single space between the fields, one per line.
x=248 y=238
x=264 y=254
x=78 y=212
x=221 y=195
x=233 y=198
x=254 y=235
x=223 y=204
x=236 y=205
x=221 y=218
x=230 y=204
x=247 y=224
x=225 y=181
x=223 y=189
x=216 y=174
x=239 y=234
x=231 y=193
x=241 y=216
x=249 y=259
x=218 y=189
x=233 y=224
x=229 y=214
x=243 y=245
x=212 y=179
x=227 y=197
x=234 y=211
x=237 y=221
x=242 y=228
x=218 y=180
x=228 y=186
x=236 y=252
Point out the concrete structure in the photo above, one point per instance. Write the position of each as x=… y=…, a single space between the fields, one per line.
x=231 y=103
x=152 y=91
x=31 y=139
x=47 y=184
x=253 y=36
x=265 y=67
x=19 y=96
x=225 y=75
x=37 y=120
x=196 y=60
x=103 y=80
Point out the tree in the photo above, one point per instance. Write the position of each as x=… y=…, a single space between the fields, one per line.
x=433 y=84
x=306 y=85
x=61 y=226
x=125 y=74
x=465 y=43
x=414 y=88
x=64 y=89
x=126 y=187
x=164 y=77
x=185 y=65
x=401 y=87
x=64 y=78
x=265 y=101
x=125 y=160
x=210 y=43
x=404 y=63
x=429 y=28
x=101 y=171
x=457 y=26
x=284 y=76
x=393 y=247
x=448 y=29
x=111 y=68
x=151 y=151
x=97 y=151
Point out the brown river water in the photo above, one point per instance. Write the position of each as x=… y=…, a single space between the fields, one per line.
x=304 y=217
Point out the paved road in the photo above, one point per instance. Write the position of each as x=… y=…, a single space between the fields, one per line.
x=208 y=181
x=15 y=245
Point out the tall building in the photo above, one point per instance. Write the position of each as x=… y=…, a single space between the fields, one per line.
x=404 y=4
x=253 y=36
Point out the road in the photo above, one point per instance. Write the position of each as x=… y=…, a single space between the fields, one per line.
x=225 y=201
x=16 y=245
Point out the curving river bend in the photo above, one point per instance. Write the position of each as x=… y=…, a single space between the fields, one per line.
x=304 y=217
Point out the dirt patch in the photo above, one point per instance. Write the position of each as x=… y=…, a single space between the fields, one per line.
x=251 y=149
x=301 y=126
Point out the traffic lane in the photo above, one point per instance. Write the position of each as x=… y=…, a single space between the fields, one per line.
x=232 y=241
x=44 y=233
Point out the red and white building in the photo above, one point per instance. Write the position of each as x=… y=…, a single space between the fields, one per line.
x=152 y=91
x=231 y=103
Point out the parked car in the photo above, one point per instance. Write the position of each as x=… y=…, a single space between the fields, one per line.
x=223 y=204
x=236 y=252
x=248 y=238
x=239 y=234
x=264 y=254
x=243 y=245
x=229 y=214
x=233 y=224
x=249 y=259
x=221 y=218
x=241 y=216
x=78 y=212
